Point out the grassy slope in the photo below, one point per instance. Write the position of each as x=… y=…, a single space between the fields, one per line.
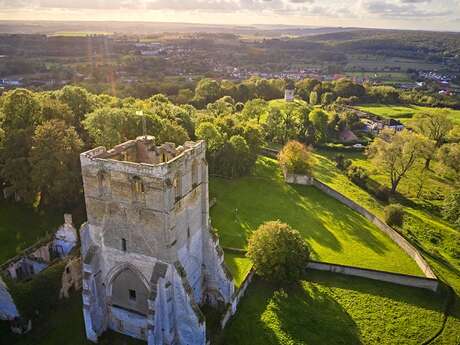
x=335 y=232
x=440 y=241
x=404 y=113
x=333 y=309
x=21 y=226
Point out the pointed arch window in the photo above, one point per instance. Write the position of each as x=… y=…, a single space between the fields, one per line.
x=194 y=174
x=138 y=189
x=103 y=180
x=177 y=186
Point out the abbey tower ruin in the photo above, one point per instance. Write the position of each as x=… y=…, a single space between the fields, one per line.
x=149 y=257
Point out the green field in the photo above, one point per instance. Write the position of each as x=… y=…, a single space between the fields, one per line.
x=79 y=33
x=22 y=226
x=334 y=309
x=386 y=77
x=404 y=113
x=335 y=232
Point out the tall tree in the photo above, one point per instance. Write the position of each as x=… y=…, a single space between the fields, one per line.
x=396 y=153
x=319 y=119
x=55 y=163
x=21 y=111
x=207 y=91
x=449 y=156
x=435 y=125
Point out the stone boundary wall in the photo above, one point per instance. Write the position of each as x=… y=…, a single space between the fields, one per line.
x=393 y=234
x=231 y=309
x=395 y=278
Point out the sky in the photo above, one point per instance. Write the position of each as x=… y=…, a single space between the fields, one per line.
x=397 y=14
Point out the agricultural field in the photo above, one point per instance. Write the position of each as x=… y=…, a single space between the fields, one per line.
x=405 y=113
x=79 y=33
x=335 y=233
x=376 y=63
x=385 y=77
x=335 y=310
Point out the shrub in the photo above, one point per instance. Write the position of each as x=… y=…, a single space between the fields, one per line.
x=451 y=208
x=278 y=252
x=342 y=163
x=357 y=175
x=295 y=158
x=394 y=215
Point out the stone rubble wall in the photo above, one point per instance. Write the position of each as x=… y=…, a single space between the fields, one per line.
x=37 y=257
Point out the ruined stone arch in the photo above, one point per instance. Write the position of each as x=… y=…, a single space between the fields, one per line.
x=127 y=288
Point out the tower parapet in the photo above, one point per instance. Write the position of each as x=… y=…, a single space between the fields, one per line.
x=148 y=215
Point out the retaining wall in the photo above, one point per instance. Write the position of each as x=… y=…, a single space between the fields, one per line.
x=393 y=234
x=395 y=278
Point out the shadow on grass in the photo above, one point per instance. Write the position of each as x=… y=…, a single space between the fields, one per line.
x=349 y=221
x=414 y=296
x=63 y=326
x=299 y=314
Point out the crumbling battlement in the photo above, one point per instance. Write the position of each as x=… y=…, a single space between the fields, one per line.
x=143 y=157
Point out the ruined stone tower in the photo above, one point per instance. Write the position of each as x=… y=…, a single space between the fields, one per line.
x=149 y=258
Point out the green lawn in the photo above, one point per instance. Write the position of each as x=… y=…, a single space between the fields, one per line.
x=334 y=309
x=439 y=240
x=22 y=226
x=335 y=232
x=239 y=265
x=405 y=113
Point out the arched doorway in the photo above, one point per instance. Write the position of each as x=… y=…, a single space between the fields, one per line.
x=128 y=293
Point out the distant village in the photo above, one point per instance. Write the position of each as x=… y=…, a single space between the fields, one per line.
x=178 y=53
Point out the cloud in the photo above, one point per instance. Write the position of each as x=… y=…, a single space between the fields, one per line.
x=405 y=8
x=286 y=11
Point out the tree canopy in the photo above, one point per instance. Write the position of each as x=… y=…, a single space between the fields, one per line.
x=278 y=252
